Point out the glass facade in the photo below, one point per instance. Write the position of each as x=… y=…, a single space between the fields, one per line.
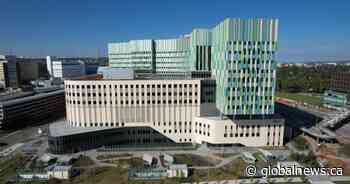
x=239 y=53
x=244 y=66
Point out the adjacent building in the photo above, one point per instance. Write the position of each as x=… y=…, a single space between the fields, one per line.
x=68 y=68
x=335 y=100
x=338 y=96
x=167 y=58
x=213 y=86
x=19 y=109
x=3 y=62
x=340 y=81
x=16 y=72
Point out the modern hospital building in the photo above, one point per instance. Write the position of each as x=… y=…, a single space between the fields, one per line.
x=213 y=86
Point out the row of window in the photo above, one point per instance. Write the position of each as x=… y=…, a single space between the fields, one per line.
x=253 y=134
x=132 y=59
x=254 y=60
x=98 y=124
x=202 y=133
x=273 y=129
x=170 y=123
x=250 y=71
x=258 y=98
x=242 y=127
x=251 y=42
x=78 y=102
x=251 y=88
x=126 y=86
x=238 y=107
x=136 y=94
x=250 y=134
x=199 y=126
x=130 y=53
x=176 y=131
x=185 y=140
x=246 y=51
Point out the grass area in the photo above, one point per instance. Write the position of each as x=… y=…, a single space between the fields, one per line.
x=345 y=150
x=119 y=175
x=8 y=167
x=112 y=156
x=194 y=160
x=126 y=163
x=83 y=161
x=225 y=155
x=300 y=143
x=105 y=175
x=312 y=100
x=233 y=170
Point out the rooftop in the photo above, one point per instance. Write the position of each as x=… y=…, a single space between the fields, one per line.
x=62 y=128
x=61 y=168
x=178 y=166
x=99 y=77
x=27 y=96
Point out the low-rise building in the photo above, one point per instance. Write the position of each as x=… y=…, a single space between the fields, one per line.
x=289 y=164
x=32 y=175
x=335 y=100
x=340 y=82
x=168 y=159
x=177 y=171
x=60 y=172
x=147 y=159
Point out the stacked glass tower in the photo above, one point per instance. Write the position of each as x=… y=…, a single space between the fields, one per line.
x=200 y=50
x=244 y=66
x=136 y=54
x=239 y=53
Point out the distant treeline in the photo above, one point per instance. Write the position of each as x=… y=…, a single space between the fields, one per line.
x=307 y=79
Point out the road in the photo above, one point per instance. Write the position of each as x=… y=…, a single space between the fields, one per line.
x=24 y=135
x=274 y=180
x=252 y=181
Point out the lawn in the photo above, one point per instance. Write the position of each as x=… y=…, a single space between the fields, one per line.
x=344 y=150
x=194 y=160
x=127 y=163
x=225 y=155
x=300 y=143
x=313 y=100
x=233 y=170
x=83 y=161
x=112 y=156
x=8 y=167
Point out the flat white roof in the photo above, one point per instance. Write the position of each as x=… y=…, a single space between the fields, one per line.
x=61 y=168
x=62 y=128
x=178 y=166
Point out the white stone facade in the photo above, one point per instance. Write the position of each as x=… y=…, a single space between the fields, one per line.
x=171 y=107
